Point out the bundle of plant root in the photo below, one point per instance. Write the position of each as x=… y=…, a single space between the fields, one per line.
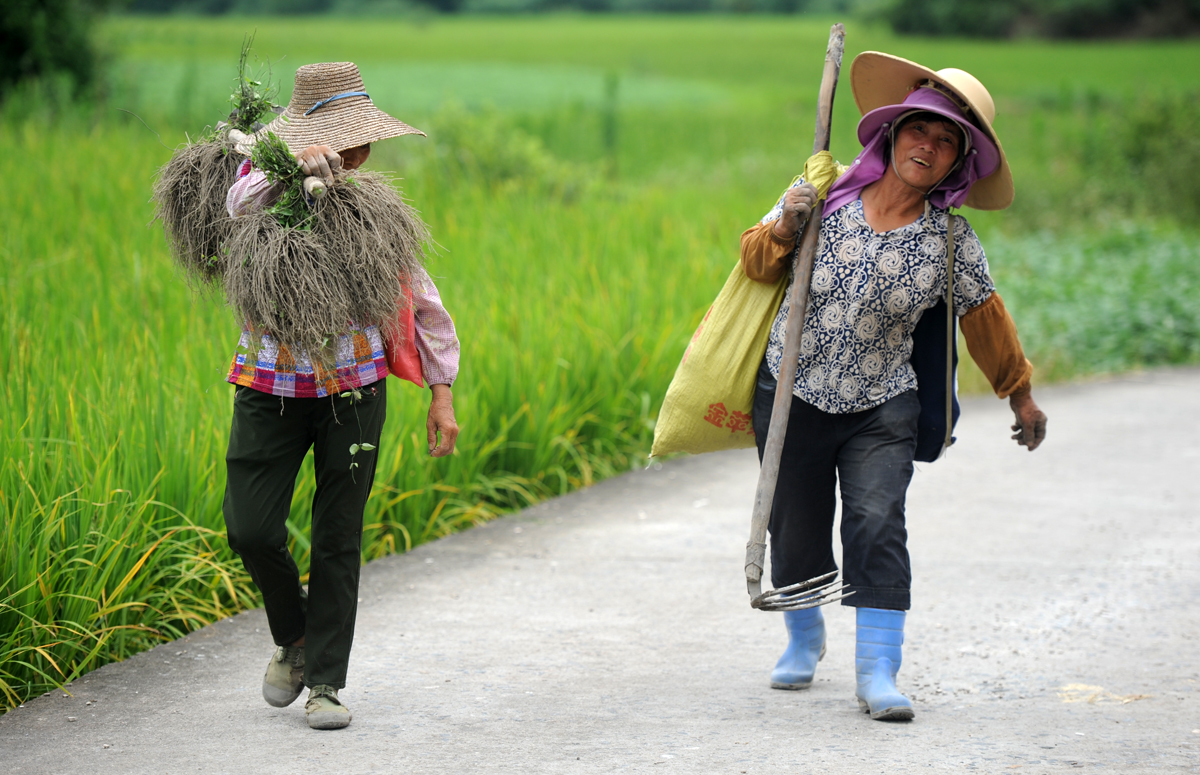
x=189 y=198
x=342 y=267
x=189 y=195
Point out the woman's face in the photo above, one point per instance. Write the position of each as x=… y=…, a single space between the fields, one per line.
x=925 y=150
x=353 y=158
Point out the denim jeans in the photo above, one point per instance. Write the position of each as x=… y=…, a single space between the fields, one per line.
x=870 y=454
x=267 y=443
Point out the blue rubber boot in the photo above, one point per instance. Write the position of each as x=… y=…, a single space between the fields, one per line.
x=806 y=647
x=877 y=659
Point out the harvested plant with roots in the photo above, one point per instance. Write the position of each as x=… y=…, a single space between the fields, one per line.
x=189 y=198
x=189 y=195
x=345 y=271
x=306 y=271
x=251 y=101
x=275 y=159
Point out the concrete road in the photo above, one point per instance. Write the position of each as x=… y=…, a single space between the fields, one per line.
x=1054 y=629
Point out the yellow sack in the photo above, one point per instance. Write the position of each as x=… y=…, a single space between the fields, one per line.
x=821 y=170
x=707 y=407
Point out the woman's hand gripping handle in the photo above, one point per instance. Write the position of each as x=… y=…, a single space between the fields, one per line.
x=797 y=207
x=319 y=163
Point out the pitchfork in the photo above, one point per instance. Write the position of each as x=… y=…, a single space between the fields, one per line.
x=827 y=588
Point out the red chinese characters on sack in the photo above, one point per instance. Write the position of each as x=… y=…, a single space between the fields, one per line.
x=735 y=421
x=716 y=414
x=739 y=421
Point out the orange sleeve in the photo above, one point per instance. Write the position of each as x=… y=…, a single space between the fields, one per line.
x=765 y=255
x=992 y=341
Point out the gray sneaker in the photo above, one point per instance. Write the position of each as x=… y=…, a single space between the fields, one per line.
x=285 y=676
x=324 y=710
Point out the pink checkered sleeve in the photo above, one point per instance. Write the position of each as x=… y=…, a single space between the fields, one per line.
x=436 y=340
x=251 y=191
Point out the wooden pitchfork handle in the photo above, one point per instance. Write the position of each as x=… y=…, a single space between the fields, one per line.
x=756 y=547
x=314 y=187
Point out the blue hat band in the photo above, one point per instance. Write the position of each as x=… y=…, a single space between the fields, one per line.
x=328 y=100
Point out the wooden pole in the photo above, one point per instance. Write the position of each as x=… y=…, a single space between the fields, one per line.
x=756 y=547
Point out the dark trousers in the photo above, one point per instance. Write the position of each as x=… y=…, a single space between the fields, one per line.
x=267 y=443
x=871 y=454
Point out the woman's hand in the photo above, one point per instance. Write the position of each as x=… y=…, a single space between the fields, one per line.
x=319 y=161
x=797 y=206
x=441 y=418
x=1030 y=426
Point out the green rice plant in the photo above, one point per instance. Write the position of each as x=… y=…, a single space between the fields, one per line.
x=1159 y=141
x=752 y=54
x=272 y=156
x=107 y=579
x=490 y=149
x=112 y=458
x=252 y=100
x=718 y=100
x=1089 y=157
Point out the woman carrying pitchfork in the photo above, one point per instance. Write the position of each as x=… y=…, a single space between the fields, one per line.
x=881 y=264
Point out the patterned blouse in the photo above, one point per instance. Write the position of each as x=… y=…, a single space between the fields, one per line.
x=275 y=369
x=868 y=293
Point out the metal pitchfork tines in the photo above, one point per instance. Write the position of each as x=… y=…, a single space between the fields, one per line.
x=806 y=594
x=820 y=590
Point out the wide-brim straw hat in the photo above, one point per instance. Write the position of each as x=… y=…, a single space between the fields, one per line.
x=880 y=80
x=330 y=106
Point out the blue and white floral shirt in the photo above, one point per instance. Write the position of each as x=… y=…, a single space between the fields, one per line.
x=868 y=293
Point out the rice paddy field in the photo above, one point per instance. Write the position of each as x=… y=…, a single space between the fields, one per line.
x=586 y=180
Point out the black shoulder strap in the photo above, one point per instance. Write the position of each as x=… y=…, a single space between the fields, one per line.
x=949 y=329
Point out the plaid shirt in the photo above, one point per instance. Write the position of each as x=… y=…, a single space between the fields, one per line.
x=360 y=358
x=275 y=369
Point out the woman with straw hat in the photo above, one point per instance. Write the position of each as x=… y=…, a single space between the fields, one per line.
x=287 y=402
x=882 y=262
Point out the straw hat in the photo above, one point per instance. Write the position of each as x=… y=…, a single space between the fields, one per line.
x=330 y=106
x=879 y=80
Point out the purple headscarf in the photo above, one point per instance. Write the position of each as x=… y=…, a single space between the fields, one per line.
x=982 y=158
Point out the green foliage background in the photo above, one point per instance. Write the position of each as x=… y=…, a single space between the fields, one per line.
x=586 y=180
x=1056 y=18
x=48 y=40
x=977 y=18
